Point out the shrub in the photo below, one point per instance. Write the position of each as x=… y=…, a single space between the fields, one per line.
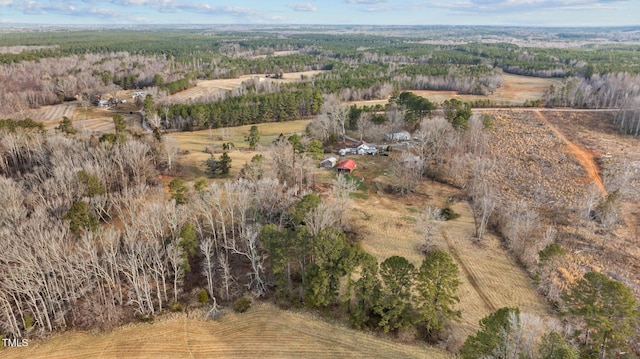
x=177 y=307
x=203 y=297
x=28 y=321
x=448 y=213
x=241 y=305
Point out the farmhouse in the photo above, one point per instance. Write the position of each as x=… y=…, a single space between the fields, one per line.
x=365 y=149
x=328 y=162
x=346 y=166
x=398 y=136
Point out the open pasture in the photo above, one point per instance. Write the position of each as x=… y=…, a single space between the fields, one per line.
x=263 y=332
x=209 y=87
x=514 y=92
x=196 y=142
x=491 y=279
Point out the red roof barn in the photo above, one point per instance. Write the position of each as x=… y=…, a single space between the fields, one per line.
x=346 y=166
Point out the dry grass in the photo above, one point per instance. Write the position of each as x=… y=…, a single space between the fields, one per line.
x=90 y=120
x=195 y=143
x=515 y=91
x=491 y=279
x=207 y=87
x=263 y=332
x=51 y=116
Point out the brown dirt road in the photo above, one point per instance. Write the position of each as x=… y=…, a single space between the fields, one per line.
x=584 y=156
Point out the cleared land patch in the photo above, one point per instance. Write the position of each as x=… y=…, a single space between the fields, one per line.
x=263 y=332
x=516 y=90
x=197 y=141
x=209 y=87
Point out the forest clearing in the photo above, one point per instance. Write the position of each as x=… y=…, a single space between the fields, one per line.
x=197 y=142
x=206 y=88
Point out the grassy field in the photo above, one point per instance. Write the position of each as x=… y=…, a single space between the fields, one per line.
x=263 y=332
x=195 y=143
x=515 y=91
x=206 y=87
x=491 y=279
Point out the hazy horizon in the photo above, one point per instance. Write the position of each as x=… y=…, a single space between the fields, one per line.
x=521 y=13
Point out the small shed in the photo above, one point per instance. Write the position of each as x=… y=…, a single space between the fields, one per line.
x=328 y=162
x=103 y=103
x=346 y=166
x=398 y=136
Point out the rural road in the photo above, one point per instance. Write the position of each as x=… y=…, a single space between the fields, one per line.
x=582 y=155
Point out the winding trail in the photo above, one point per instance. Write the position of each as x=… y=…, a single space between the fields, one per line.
x=584 y=156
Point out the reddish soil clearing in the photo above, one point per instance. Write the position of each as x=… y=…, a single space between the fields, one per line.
x=584 y=157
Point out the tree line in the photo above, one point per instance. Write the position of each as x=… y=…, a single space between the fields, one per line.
x=610 y=91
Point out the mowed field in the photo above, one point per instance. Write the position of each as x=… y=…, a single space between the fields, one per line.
x=195 y=143
x=263 y=332
x=208 y=87
x=387 y=225
x=91 y=120
x=515 y=91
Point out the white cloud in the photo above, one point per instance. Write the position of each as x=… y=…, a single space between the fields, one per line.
x=369 y=2
x=305 y=6
x=507 y=6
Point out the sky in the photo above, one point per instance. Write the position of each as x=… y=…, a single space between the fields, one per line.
x=369 y=12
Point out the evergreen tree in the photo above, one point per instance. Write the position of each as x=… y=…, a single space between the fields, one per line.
x=90 y=184
x=149 y=106
x=120 y=123
x=253 y=137
x=395 y=308
x=66 y=126
x=276 y=244
x=609 y=310
x=188 y=243
x=367 y=291
x=436 y=285
x=332 y=258
x=553 y=346
x=457 y=113
x=225 y=164
x=81 y=218
x=178 y=190
x=492 y=340
x=218 y=168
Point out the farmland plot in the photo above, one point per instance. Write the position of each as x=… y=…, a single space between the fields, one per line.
x=51 y=116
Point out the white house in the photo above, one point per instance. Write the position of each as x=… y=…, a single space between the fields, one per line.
x=365 y=149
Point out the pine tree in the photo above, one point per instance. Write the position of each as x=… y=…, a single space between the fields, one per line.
x=609 y=310
x=436 y=284
x=395 y=308
x=66 y=126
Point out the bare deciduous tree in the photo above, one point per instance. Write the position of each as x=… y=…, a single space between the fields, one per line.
x=429 y=222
